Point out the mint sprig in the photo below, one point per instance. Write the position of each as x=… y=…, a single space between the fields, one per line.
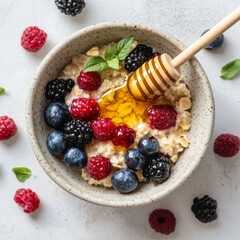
x=22 y=173
x=231 y=69
x=112 y=58
x=2 y=91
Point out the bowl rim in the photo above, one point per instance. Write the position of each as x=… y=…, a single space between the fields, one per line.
x=29 y=112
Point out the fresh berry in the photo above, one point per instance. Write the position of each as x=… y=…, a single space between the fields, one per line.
x=156 y=54
x=124 y=181
x=27 y=199
x=227 y=145
x=57 y=89
x=205 y=209
x=33 y=39
x=75 y=158
x=85 y=109
x=56 y=143
x=216 y=43
x=157 y=168
x=99 y=167
x=161 y=117
x=148 y=145
x=89 y=81
x=103 y=129
x=163 y=221
x=134 y=159
x=137 y=57
x=8 y=127
x=70 y=7
x=123 y=136
x=78 y=133
x=56 y=114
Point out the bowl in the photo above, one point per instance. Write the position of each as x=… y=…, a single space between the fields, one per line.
x=79 y=42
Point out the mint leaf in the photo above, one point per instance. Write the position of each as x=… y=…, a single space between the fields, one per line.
x=95 y=64
x=231 y=69
x=110 y=53
x=2 y=91
x=113 y=63
x=22 y=173
x=123 y=47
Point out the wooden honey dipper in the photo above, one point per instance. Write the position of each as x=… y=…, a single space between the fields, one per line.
x=154 y=77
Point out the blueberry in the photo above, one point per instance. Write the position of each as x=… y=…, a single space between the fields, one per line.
x=216 y=43
x=124 y=181
x=56 y=143
x=148 y=145
x=134 y=159
x=75 y=158
x=56 y=114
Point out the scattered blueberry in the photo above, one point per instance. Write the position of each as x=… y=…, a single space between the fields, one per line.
x=56 y=143
x=148 y=145
x=75 y=158
x=134 y=160
x=216 y=43
x=124 y=181
x=56 y=114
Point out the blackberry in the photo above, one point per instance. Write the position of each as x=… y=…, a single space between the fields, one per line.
x=205 y=209
x=157 y=168
x=70 y=7
x=57 y=89
x=137 y=57
x=78 y=133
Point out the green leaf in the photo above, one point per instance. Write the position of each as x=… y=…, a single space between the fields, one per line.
x=113 y=63
x=95 y=64
x=231 y=69
x=2 y=91
x=110 y=53
x=123 y=47
x=22 y=173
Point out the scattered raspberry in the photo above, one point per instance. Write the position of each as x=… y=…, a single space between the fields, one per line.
x=103 y=129
x=85 y=109
x=99 y=167
x=33 y=39
x=27 y=199
x=161 y=117
x=123 y=136
x=227 y=145
x=8 y=127
x=89 y=81
x=163 y=221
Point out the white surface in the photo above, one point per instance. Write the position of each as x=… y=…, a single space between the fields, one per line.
x=62 y=216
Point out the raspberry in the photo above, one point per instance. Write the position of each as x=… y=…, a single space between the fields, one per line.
x=33 y=38
x=89 y=81
x=103 y=129
x=123 y=136
x=8 y=127
x=227 y=145
x=161 y=117
x=85 y=109
x=163 y=221
x=27 y=199
x=99 y=167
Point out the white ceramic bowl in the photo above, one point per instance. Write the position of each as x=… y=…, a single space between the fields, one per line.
x=79 y=42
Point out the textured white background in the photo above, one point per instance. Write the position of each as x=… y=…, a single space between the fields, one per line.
x=62 y=216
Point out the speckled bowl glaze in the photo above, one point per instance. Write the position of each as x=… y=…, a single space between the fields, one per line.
x=79 y=42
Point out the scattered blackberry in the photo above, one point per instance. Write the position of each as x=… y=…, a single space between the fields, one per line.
x=137 y=57
x=57 y=89
x=70 y=7
x=157 y=168
x=78 y=133
x=205 y=209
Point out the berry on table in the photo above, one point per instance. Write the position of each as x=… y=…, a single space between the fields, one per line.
x=161 y=117
x=85 y=109
x=27 y=199
x=163 y=221
x=99 y=167
x=56 y=143
x=205 y=209
x=75 y=158
x=148 y=145
x=33 y=39
x=227 y=145
x=137 y=57
x=134 y=159
x=70 y=7
x=89 y=81
x=8 y=128
x=216 y=43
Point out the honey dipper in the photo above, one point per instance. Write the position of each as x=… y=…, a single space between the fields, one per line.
x=154 y=77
